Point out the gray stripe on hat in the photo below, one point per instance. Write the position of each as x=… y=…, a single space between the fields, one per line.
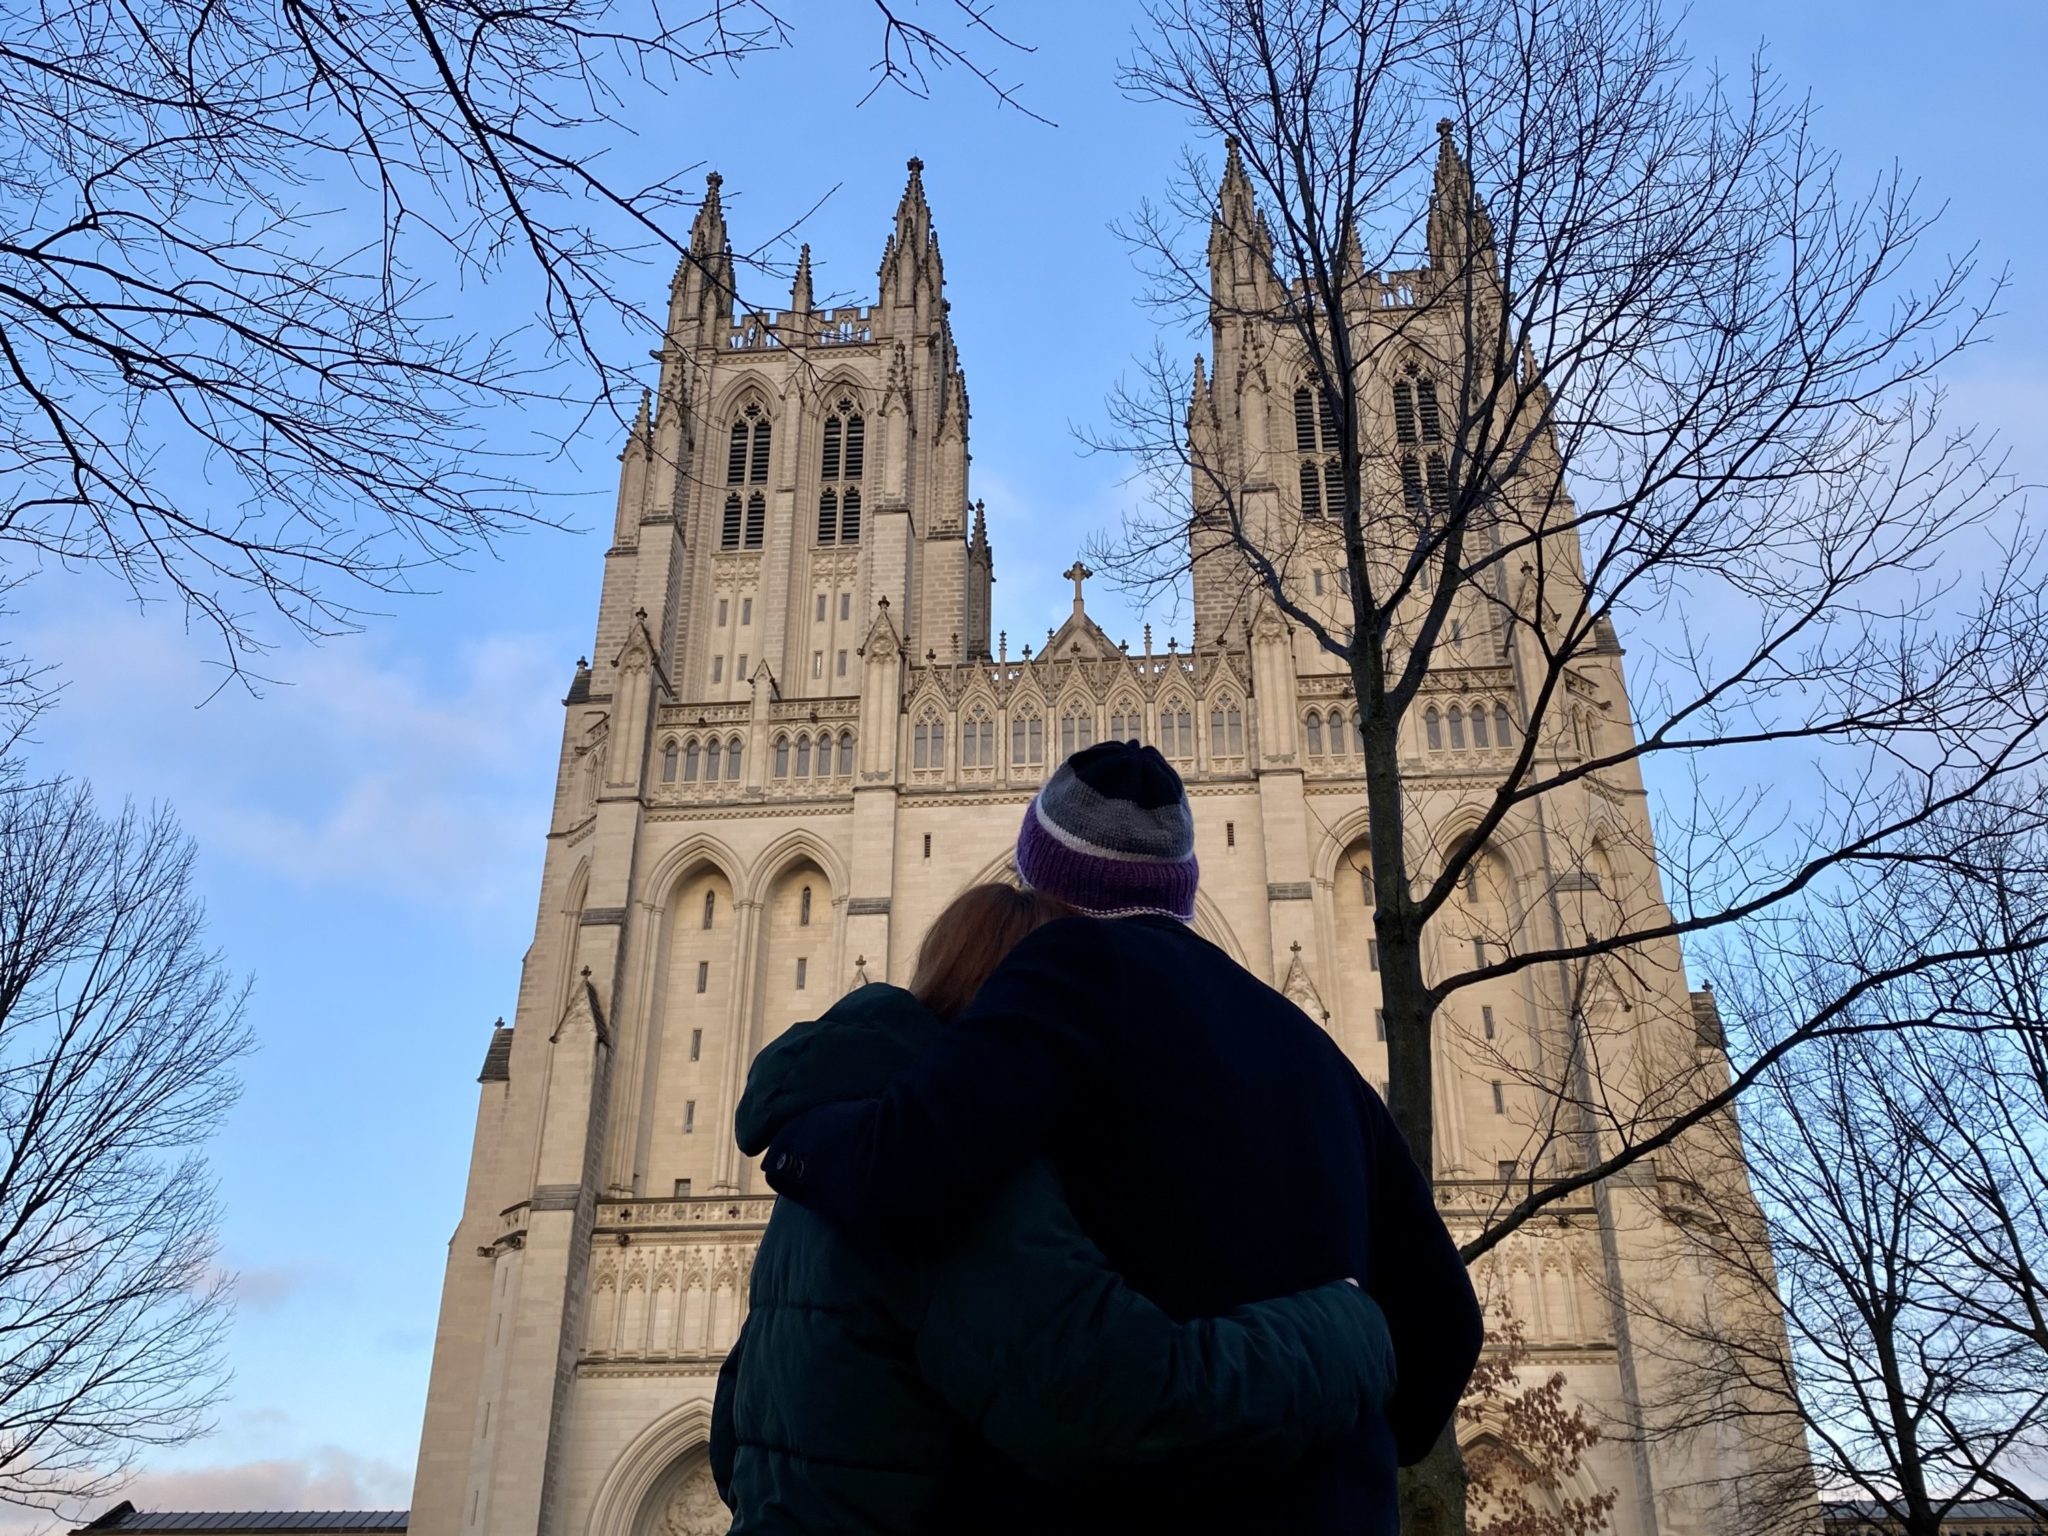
x=1076 y=817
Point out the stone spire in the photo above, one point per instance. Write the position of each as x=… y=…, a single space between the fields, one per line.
x=1241 y=275
x=707 y=230
x=910 y=260
x=1459 y=230
x=703 y=288
x=800 y=299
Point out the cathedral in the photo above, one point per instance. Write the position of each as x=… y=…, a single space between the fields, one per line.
x=796 y=738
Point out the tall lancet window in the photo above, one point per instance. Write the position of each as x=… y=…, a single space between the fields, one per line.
x=843 y=456
x=746 y=476
x=1315 y=444
x=1419 y=435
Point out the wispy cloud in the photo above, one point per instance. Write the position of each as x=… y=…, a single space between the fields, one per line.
x=424 y=780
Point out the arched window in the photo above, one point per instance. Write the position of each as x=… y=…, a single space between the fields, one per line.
x=1500 y=725
x=746 y=464
x=803 y=757
x=928 y=743
x=1411 y=489
x=1439 y=487
x=1365 y=889
x=710 y=907
x=1176 y=730
x=732 y=758
x=1315 y=733
x=1457 y=723
x=1226 y=729
x=1418 y=420
x=839 y=468
x=803 y=909
x=711 y=761
x=1077 y=729
x=977 y=740
x=1125 y=722
x=1479 y=725
x=782 y=757
x=1027 y=740
x=1358 y=734
x=1315 y=445
x=845 y=754
x=1433 y=729
x=1337 y=740
x=690 y=762
x=1432 y=420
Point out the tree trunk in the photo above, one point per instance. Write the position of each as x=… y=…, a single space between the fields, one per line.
x=1433 y=1490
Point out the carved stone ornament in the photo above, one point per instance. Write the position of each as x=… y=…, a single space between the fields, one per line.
x=695 y=1509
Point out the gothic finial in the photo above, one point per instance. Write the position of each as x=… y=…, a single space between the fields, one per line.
x=1002 y=645
x=1459 y=229
x=1027 y=652
x=582 y=663
x=1148 y=639
x=882 y=601
x=1295 y=947
x=956 y=642
x=800 y=290
x=586 y=973
x=931 y=657
x=1172 y=643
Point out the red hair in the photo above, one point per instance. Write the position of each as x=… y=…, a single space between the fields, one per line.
x=968 y=940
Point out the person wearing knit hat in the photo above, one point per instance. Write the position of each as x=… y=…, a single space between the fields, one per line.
x=1111 y=835
x=1215 y=1141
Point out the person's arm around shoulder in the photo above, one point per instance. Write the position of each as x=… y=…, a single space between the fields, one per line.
x=985 y=1099
x=1066 y=1370
x=1421 y=1283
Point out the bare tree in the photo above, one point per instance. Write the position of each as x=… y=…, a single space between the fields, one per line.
x=1900 y=1169
x=119 y=1030
x=227 y=236
x=1530 y=332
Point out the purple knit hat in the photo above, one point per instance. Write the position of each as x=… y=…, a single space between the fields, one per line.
x=1111 y=835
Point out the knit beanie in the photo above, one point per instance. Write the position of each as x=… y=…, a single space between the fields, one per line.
x=1111 y=835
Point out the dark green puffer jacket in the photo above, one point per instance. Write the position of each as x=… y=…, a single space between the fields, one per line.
x=869 y=1393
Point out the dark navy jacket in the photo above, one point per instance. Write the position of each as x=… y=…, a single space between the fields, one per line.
x=1213 y=1142
x=987 y=1386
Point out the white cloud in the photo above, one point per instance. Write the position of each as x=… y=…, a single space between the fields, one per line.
x=425 y=780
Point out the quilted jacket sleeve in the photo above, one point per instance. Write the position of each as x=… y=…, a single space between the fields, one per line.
x=1062 y=1367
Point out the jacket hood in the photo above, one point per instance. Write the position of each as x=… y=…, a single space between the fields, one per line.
x=863 y=1040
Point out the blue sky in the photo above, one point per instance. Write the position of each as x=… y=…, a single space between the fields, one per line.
x=370 y=832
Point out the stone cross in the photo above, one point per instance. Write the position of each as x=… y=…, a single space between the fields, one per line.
x=1077 y=573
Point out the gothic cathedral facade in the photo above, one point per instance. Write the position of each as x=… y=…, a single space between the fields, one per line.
x=795 y=740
